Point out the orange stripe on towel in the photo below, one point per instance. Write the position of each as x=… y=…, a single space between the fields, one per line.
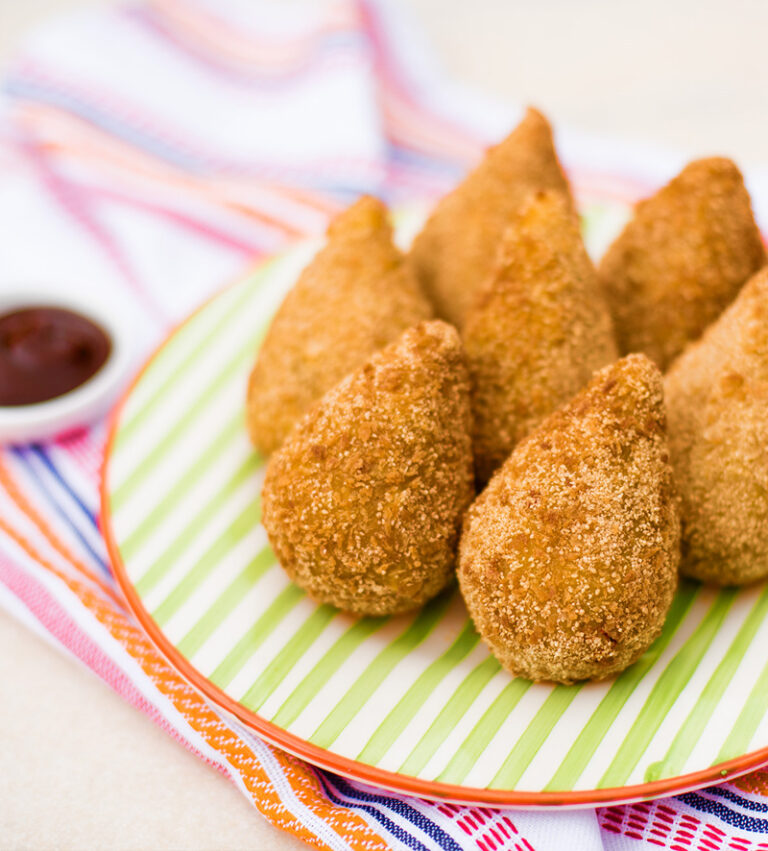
x=25 y=507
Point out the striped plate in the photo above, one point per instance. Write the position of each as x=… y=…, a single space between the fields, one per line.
x=412 y=703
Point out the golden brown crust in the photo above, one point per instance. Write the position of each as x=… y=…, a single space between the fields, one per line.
x=454 y=253
x=681 y=260
x=717 y=393
x=357 y=295
x=537 y=330
x=568 y=559
x=364 y=501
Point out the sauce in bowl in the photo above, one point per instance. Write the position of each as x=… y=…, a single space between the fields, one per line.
x=47 y=351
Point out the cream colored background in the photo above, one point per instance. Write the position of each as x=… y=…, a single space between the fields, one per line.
x=81 y=769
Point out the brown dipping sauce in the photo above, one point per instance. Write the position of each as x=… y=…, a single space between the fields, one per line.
x=46 y=352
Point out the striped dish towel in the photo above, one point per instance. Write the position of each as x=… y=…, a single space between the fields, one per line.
x=157 y=148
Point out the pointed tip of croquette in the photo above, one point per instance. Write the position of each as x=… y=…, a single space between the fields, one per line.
x=537 y=330
x=454 y=253
x=681 y=259
x=356 y=295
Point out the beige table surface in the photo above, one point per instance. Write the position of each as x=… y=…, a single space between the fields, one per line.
x=81 y=769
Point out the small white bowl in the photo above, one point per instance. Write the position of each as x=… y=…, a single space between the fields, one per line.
x=93 y=398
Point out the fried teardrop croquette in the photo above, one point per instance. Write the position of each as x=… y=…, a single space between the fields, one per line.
x=363 y=503
x=717 y=393
x=537 y=330
x=355 y=297
x=455 y=251
x=681 y=260
x=568 y=559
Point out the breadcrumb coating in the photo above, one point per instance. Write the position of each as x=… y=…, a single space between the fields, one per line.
x=454 y=253
x=537 y=330
x=717 y=393
x=363 y=503
x=681 y=260
x=568 y=559
x=355 y=297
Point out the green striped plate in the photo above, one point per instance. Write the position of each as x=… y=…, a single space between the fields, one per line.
x=414 y=703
